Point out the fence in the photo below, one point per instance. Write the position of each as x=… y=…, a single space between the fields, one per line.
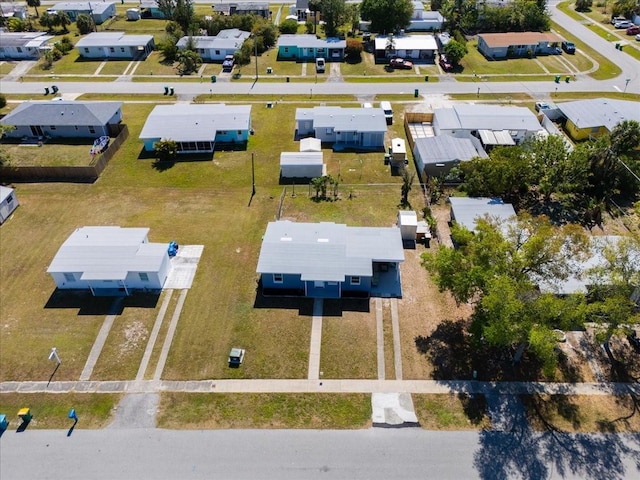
x=83 y=174
x=415 y=117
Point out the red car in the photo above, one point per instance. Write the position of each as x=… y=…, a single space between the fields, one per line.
x=633 y=30
x=400 y=63
x=445 y=63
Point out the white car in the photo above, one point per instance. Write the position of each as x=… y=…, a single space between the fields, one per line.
x=638 y=37
x=623 y=24
x=542 y=106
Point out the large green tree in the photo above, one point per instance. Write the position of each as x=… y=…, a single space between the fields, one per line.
x=387 y=16
x=333 y=16
x=35 y=4
x=455 y=51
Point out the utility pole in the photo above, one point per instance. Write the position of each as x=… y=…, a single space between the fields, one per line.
x=253 y=177
x=255 y=48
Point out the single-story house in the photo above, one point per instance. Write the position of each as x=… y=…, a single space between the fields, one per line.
x=492 y=124
x=436 y=156
x=149 y=9
x=598 y=116
x=309 y=47
x=23 y=45
x=115 y=45
x=424 y=20
x=360 y=128
x=66 y=118
x=465 y=211
x=302 y=13
x=302 y=165
x=412 y=47
x=110 y=260
x=517 y=44
x=329 y=260
x=8 y=202
x=16 y=10
x=197 y=128
x=215 y=48
x=260 y=9
x=99 y=11
x=585 y=271
x=310 y=144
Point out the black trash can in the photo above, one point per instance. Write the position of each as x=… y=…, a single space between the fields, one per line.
x=213 y=79
x=426 y=78
x=415 y=93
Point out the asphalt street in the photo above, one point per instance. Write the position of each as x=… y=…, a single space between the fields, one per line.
x=370 y=454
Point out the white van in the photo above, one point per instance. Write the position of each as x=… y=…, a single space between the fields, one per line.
x=388 y=113
x=320 y=65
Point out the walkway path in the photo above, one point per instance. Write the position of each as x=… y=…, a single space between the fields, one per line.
x=100 y=340
x=316 y=340
x=144 y=363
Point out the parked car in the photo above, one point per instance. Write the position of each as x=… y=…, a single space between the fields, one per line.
x=445 y=63
x=400 y=63
x=623 y=24
x=542 y=106
x=638 y=38
x=633 y=30
x=615 y=20
x=568 y=47
x=320 y=65
x=227 y=63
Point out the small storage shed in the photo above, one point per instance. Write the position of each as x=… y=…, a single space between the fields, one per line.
x=302 y=165
x=310 y=144
x=408 y=224
x=133 y=14
x=8 y=203
x=398 y=152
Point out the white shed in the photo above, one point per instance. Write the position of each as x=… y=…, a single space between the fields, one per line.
x=408 y=223
x=302 y=165
x=310 y=144
x=8 y=202
x=133 y=14
x=398 y=152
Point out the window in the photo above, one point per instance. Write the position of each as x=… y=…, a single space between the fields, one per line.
x=595 y=130
x=19 y=49
x=10 y=198
x=329 y=130
x=239 y=132
x=355 y=280
x=52 y=127
x=408 y=52
x=286 y=49
x=217 y=52
x=111 y=49
x=92 y=130
x=69 y=277
x=86 y=50
x=144 y=276
x=122 y=49
x=277 y=278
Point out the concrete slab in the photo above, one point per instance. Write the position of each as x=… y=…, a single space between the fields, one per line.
x=183 y=267
x=393 y=410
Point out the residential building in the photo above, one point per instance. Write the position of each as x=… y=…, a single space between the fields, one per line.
x=149 y=9
x=99 y=11
x=116 y=45
x=66 y=118
x=329 y=260
x=302 y=165
x=110 y=261
x=197 y=128
x=215 y=48
x=518 y=44
x=598 y=116
x=260 y=9
x=310 y=47
x=424 y=20
x=466 y=211
x=436 y=156
x=8 y=202
x=23 y=45
x=358 y=128
x=14 y=9
x=412 y=47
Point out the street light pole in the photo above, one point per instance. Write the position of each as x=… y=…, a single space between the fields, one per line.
x=253 y=177
x=626 y=84
x=255 y=49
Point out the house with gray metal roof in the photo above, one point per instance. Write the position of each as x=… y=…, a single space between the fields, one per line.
x=260 y=9
x=436 y=156
x=116 y=45
x=329 y=260
x=197 y=128
x=14 y=9
x=466 y=211
x=110 y=260
x=66 y=118
x=354 y=128
x=99 y=11
x=492 y=124
x=594 y=117
x=302 y=165
x=23 y=45
x=310 y=47
x=215 y=48
x=8 y=202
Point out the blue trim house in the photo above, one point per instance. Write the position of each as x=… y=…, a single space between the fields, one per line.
x=216 y=48
x=329 y=260
x=23 y=45
x=310 y=47
x=99 y=11
x=117 y=45
x=197 y=128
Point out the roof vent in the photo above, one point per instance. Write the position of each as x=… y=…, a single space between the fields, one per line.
x=286 y=239
x=323 y=240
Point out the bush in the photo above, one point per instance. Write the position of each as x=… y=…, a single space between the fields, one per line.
x=3 y=101
x=84 y=23
x=289 y=26
x=64 y=46
x=353 y=51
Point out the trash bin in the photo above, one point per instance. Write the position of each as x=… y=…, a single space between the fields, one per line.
x=426 y=78
x=557 y=80
x=287 y=79
x=415 y=93
x=617 y=46
x=171 y=91
x=567 y=79
x=54 y=89
x=46 y=90
x=3 y=422
x=213 y=79
x=269 y=70
x=621 y=46
x=25 y=414
x=72 y=414
x=166 y=90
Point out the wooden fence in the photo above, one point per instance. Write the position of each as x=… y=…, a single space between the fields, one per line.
x=81 y=174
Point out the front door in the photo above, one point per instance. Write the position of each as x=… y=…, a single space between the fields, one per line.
x=36 y=130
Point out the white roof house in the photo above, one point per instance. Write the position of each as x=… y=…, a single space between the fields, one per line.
x=23 y=45
x=8 y=202
x=437 y=155
x=302 y=165
x=599 y=112
x=310 y=144
x=197 y=127
x=110 y=258
x=414 y=47
x=465 y=211
x=115 y=45
x=99 y=11
x=486 y=122
x=325 y=257
x=226 y=42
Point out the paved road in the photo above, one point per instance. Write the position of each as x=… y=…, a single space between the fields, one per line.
x=285 y=454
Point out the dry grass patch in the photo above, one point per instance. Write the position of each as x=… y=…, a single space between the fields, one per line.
x=94 y=410
x=585 y=413
x=451 y=412
x=316 y=411
x=53 y=153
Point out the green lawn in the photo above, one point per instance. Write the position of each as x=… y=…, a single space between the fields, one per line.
x=52 y=153
x=70 y=64
x=6 y=67
x=115 y=67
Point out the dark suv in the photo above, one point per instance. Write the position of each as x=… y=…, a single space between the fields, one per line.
x=568 y=47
